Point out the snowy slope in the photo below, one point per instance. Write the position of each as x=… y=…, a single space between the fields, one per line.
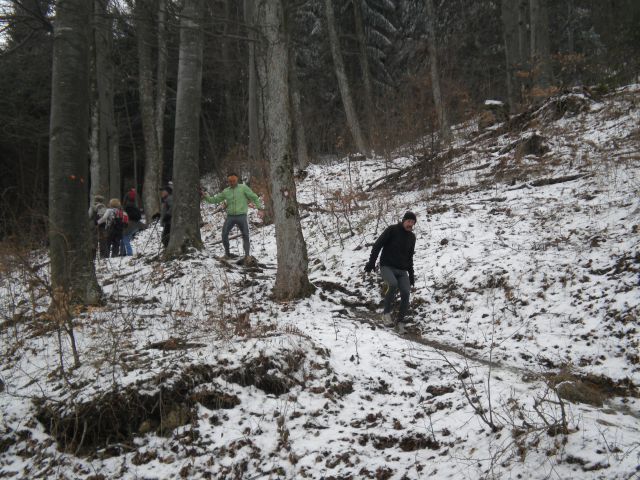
x=523 y=360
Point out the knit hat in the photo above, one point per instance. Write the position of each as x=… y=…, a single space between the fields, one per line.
x=409 y=216
x=98 y=198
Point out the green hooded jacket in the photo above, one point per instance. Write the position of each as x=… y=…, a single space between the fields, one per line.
x=236 y=198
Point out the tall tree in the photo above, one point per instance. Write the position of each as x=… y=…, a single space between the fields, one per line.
x=364 y=66
x=72 y=269
x=343 y=82
x=255 y=161
x=105 y=158
x=441 y=109
x=540 y=48
x=302 y=149
x=292 y=276
x=185 y=222
x=25 y=100
x=150 y=17
x=510 y=35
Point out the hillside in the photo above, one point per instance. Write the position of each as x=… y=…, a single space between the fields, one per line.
x=523 y=360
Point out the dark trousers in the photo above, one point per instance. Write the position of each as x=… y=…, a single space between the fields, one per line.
x=114 y=244
x=396 y=279
x=103 y=241
x=243 y=225
x=166 y=233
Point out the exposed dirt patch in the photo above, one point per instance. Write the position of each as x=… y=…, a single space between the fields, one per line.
x=591 y=389
x=269 y=375
x=119 y=416
x=163 y=403
x=418 y=441
x=174 y=344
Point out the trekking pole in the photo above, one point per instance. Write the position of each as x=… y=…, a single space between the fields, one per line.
x=152 y=234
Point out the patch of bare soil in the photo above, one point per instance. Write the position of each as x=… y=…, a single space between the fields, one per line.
x=112 y=420
x=591 y=389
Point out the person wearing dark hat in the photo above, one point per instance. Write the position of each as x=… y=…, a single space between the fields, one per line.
x=166 y=193
x=398 y=244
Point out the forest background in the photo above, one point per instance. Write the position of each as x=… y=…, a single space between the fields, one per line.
x=410 y=68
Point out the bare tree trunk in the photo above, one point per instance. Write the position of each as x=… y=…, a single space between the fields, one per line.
x=540 y=49
x=510 y=35
x=364 y=66
x=441 y=111
x=302 y=148
x=151 y=106
x=98 y=145
x=291 y=278
x=228 y=106
x=570 y=45
x=161 y=80
x=98 y=186
x=524 y=68
x=114 y=150
x=108 y=143
x=255 y=162
x=343 y=82
x=72 y=269
x=185 y=222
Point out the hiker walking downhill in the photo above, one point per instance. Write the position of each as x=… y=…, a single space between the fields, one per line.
x=237 y=197
x=397 y=243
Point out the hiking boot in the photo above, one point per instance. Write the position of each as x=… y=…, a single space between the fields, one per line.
x=248 y=261
x=230 y=255
x=387 y=321
x=400 y=328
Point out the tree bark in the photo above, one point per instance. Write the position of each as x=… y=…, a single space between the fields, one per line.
x=99 y=142
x=302 y=149
x=540 y=49
x=441 y=111
x=151 y=105
x=185 y=223
x=343 y=81
x=99 y=179
x=161 y=80
x=510 y=36
x=292 y=275
x=72 y=269
x=255 y=161
x=108 y=144
x=364 y=67
x=523 y=64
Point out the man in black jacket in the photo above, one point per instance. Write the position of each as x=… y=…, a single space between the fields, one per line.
x=398 y=244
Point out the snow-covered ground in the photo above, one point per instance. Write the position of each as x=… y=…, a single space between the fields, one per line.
x=523 y=360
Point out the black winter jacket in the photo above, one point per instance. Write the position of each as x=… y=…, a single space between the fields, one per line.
x=397 y=246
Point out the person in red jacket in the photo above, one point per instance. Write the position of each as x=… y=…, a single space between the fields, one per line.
x=398 y=244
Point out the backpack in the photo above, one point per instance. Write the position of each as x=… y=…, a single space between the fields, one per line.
x=133 y=212
x=118 y=223
x=97 y=212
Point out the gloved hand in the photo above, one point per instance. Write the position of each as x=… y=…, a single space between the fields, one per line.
x=369 y=267
x=412 y=280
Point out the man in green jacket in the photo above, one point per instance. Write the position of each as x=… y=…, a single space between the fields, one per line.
x=236 y=197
